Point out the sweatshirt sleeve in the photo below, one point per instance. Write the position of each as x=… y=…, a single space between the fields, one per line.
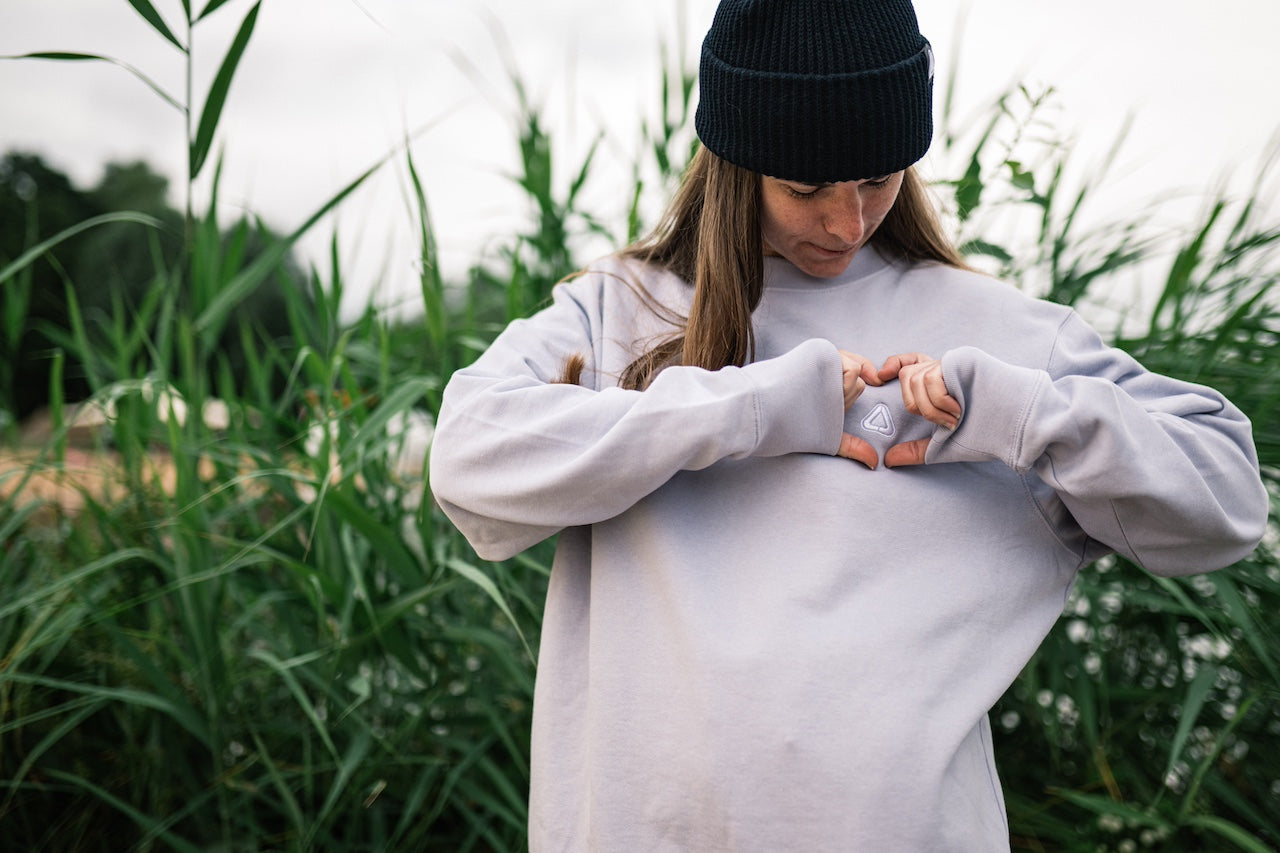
x=1160 y=470
x=517 y=457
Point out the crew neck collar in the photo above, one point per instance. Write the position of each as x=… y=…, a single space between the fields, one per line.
x=781 y=274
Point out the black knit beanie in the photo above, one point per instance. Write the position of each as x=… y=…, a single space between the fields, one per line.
x=816 y=90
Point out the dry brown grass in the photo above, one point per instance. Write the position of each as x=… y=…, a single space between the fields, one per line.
x=28 y=476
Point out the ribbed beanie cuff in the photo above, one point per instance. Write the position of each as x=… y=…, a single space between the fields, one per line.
x=816 y=90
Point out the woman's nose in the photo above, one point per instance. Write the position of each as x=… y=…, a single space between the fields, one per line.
x=844 y=220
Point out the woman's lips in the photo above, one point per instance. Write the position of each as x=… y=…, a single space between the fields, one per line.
x=832 y=253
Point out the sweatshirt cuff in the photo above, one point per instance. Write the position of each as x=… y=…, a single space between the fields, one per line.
x=799 y=400
x=996 y=401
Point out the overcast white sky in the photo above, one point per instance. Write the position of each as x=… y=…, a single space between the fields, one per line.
x=328 y=86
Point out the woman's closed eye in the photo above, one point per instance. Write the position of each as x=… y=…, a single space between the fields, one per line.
x=802 y=190
x=812 y=190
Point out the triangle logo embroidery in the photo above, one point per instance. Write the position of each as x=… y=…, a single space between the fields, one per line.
x=879 y=420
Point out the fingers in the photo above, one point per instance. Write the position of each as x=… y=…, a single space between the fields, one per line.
x=852 y=447
x=894 y=363
x=924 y=392
x=907 y=453
x=856 y=373
x=853 y=389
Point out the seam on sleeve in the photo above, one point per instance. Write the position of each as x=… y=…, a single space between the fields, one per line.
x=1045 y=380
x=1129 y=549
x=1023 y=419
x=1057 y=337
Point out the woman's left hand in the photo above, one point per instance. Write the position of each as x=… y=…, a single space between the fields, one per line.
x=923 y=393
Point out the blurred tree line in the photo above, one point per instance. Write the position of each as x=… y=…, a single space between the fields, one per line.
x=104 y=272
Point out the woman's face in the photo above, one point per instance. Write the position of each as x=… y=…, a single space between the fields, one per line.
x=820 y=227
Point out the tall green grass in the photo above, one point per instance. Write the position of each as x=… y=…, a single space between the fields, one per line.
x=264 y=636
x=257 y=635
x=1149 y=718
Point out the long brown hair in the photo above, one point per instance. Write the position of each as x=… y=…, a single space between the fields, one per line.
x=710 y=236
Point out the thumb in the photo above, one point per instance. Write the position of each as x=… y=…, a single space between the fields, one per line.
x=852 y=447
x=907 y=453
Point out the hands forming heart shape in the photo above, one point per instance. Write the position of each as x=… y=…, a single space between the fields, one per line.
x=923 y=393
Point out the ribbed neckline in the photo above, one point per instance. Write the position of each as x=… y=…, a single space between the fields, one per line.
x=780 y=274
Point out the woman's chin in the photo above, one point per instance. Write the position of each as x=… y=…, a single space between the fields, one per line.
x=822 y=263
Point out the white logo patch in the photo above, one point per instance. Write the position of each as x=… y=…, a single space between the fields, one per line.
x=879 y=420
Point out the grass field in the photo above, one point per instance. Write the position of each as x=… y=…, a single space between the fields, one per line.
x=256 y=634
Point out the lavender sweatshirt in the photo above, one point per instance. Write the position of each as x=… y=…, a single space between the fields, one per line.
x=751 y=644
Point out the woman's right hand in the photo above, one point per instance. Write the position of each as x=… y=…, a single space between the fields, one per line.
x=856 y=373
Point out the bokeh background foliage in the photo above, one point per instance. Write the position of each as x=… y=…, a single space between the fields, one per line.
x=231 y=618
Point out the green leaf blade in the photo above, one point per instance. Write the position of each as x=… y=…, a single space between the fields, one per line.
x=70 y=56
x=217 y=97
x=29 y=256
x=152 y=17
x=214 y=5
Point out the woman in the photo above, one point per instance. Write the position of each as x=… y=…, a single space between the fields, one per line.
x=750 y=641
